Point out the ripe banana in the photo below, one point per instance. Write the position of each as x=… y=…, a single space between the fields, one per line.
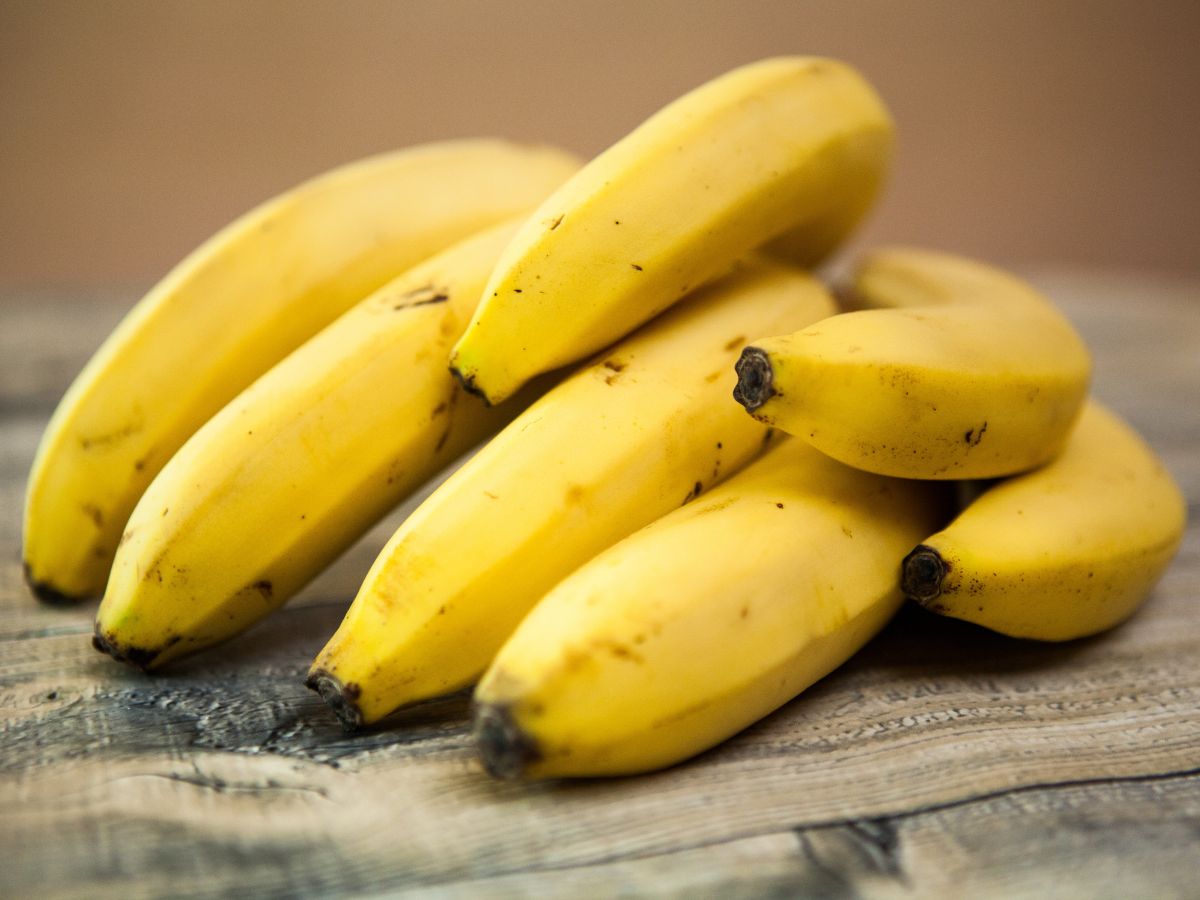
x=703 y=622
x=1068 y=550
x=230 y=311
x=300 y=464
x=959 y=371
x=793 y=149
x=644 y=429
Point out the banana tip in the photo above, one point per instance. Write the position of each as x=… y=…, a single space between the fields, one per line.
x=467 y=380
x=138 y=657
x=922 y=574
x=506 y=750
x=755 y=379
x=48 y=593
x=341 y=698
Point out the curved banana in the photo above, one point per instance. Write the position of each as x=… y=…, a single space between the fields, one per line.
x=642 y=430
x=1068 y=550
x=231 y=310
x=793 y=149
x=299 y=465
x=959 y=371
x=703 y=622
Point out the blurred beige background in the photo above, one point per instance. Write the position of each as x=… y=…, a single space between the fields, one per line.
x=1030 y=132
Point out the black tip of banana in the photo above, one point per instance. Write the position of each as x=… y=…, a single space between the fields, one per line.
x=47 y=593
x=138 y=657
x=922 y=573
x=505 y=749
x=467 y=381
x=755 y=379
x=341 y=698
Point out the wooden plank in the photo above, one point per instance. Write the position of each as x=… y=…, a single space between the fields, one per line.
x=1080 y=838
x=942 y=760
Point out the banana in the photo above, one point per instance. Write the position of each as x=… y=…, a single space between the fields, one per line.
x=299 y=465
x=1065 y=551
x=791 y=149
x=959 y=370
x=703 y=622
x=645 y=428
x=232 y=309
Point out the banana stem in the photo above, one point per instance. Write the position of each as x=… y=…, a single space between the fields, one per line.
x=342 y=698
x=755 y=379
x=924 y=571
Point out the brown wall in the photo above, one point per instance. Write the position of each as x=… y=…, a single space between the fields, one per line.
x=1053 y=130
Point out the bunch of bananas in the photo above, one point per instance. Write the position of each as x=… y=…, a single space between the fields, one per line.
x=631 y=568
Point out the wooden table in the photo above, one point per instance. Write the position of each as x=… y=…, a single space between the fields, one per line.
x=942 y=761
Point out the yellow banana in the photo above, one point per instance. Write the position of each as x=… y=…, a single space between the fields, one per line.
x=793 y=149
x=959 y=371
x=232 y=309
x=299 y=465
x=1068 y=550
x=644 y=429
x=703 y=622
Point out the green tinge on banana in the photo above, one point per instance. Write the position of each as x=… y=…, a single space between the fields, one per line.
x=1068 y=550
x=232 y=309
x=789 y=151
x=703 y=622
x=644 y=429
x=300 y=464
x=954 y=370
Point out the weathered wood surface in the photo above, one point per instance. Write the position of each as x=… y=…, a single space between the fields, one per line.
x=942 y=761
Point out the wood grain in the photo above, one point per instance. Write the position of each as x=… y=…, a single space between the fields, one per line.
x=941 y=761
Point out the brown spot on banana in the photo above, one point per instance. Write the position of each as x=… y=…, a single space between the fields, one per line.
x=422 y=296
x=93 y=512
x=714 y=507
x=621 y=651
x=447 y=408
x=614 y=367
x=109 y=438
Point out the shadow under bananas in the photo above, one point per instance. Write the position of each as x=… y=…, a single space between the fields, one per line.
x=923 y=642
x=926 y=671
x=244 y=696
x=247 y=696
